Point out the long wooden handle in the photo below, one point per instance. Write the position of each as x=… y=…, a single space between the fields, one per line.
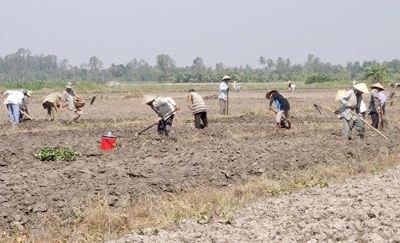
x=147 y=128
x=316 y=105
x=355 y=114
x=366 y=123
x=26 y=114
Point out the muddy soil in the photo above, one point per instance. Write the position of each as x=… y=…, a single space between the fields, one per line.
x=231 y=150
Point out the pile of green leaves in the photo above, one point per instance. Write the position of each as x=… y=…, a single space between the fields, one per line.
x=55 y=154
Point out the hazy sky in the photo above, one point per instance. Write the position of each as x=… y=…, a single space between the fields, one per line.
x=234 y=32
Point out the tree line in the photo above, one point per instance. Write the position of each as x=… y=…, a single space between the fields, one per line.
x=22 y=66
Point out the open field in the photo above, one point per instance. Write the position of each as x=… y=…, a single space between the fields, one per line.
x=46 y=200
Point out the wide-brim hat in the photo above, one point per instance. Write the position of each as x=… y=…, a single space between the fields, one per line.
x=148 y=98
x=69 y=85
x=340 y=94
x=361 y=87
x=26 y=92
x=269 y=92
x=378 y=86
x=225 y=78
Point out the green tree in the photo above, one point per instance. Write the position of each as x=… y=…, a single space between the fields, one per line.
x=118 y=71
x=95 y=64
x=379 y=73
x=262 y=61
x=198 y=69
x=270 y=64
x=165 y=63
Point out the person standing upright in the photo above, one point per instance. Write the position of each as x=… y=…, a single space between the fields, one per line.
x=382 y=96
x=223 y=95
x=199 y=109
x=374 y=108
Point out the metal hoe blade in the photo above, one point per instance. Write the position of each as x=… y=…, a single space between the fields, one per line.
x=316 y=107
x=91 y=101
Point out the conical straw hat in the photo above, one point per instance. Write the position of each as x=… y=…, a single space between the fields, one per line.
x=378 y=86
x=226 y=77
x=148 y=98
x=340 y=94
x=361 y=87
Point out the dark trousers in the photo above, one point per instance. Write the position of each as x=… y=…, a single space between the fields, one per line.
x=375 y=119
x=164 y=126
x=51 y=110
x=200 y=116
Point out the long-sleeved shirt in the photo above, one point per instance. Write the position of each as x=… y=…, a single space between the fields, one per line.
x=15 y=97
x=350 y=98
x=382 y=97
x=223 y=90
x=164 y=105
x=374 y=102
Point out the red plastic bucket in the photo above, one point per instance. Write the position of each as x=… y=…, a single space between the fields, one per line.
x=108 y=142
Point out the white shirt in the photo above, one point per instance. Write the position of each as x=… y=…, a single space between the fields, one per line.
x=382 y=97
x=223 y=90
x=14 y=97
x=164 y=105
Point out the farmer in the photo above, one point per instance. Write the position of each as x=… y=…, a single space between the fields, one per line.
x=351 y=100
x=282 y=105
x=165 y=107
x=68 y=97
x=374 y=107
x=23 y=108
x=53 y=103
x=15 y=100
x=199 y=109
x=223 y=95
x=382 y=97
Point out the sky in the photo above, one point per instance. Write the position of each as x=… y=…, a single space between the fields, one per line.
x=232 y=32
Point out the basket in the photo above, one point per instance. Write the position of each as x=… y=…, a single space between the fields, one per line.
x=79 y=103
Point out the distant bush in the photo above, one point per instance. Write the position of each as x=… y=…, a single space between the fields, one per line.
x=318 y=78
